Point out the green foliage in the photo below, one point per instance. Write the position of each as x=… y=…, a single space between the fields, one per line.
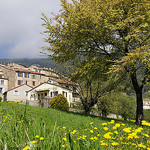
x=147 y=115
x=59 y=102
x=0 y=99
x=117 y=103
x=115 y=31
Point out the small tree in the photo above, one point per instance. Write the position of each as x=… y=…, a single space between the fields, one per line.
x=59 y=102
x=0 y=99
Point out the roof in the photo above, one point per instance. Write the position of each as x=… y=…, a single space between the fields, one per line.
x=63 y=81
x=18 y=86
x=50 y=84
x=28 y=71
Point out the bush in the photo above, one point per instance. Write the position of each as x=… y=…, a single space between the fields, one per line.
x=59 y=102
x=117 y=103
x=147 y=115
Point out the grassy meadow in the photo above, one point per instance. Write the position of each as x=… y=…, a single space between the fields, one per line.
x=24 y=127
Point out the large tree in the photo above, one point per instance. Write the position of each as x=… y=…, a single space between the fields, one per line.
x=115 y=29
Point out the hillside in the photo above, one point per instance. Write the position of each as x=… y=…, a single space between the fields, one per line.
x=26 y=127
x=41 y=62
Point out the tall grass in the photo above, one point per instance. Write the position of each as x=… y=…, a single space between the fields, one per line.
x=26 y=127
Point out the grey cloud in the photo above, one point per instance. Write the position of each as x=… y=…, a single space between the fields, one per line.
x=21 y=25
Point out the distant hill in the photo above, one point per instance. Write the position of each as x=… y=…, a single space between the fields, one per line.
x=41 y=62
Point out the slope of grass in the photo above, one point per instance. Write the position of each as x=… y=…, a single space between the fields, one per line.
x=27 y=127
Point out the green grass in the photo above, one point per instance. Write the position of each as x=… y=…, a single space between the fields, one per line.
x=20 y=124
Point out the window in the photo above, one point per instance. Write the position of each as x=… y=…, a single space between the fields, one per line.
x=25 y=75
x=2 y=82
x=26 y=82
x=20 y=74
x=64 y=93
x=33 y=83
x=16 y=92
x=1 y=90
x=25 y=93
x=20 y=82
x=55 y=93
x=33 y=76
x=45 y=94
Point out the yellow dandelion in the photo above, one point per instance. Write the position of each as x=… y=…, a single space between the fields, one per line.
x=91 y=131
x=104 y=144
x=64 y=127
x=105 y=128
x=92 y=123
x=34 y=141
x=64 y=146
x=95 y=128
x=115 y=143
x=37 y=136
x=103 y=124
x=26 y=148
x=65 y=139
x=41 y=138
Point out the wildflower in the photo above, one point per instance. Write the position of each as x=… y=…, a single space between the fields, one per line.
x=26 y=148
x=74 y=141
x=146 y=135
x=63 y=146
x=95 y=138
x=91 y=123
x=107 y=135
x=105 y=128
x=117 y=125
x=64 y=127
x=65 y=139
x=141 y=145
x=116 y=132
x=98 y=135
x=112 y=121
x=41 y=138
x=103 y=124
x=114 y=127
x=73 y=132
x=95 y=128
x=91 y=131
x=37 y=136
x=115 y=144
x=34 y=141
x=127 y=130
x=91 y=138
x=83 y=137
x=104 y=144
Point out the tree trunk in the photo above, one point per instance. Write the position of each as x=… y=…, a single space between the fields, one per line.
x=139 y=109
x=87 y=109
x=139 y=99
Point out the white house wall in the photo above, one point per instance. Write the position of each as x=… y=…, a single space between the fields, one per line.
x=12 y=95
x=51 y=88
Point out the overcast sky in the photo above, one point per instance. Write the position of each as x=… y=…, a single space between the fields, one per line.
x=20 y=26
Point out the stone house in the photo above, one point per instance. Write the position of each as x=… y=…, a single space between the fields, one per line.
x=18 y=76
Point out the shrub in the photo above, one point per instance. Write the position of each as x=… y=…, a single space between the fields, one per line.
x=59 y=102
x=117 y=103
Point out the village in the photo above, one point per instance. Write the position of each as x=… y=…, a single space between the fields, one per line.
x=33 y=85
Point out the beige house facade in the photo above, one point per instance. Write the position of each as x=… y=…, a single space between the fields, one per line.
x=46 y=91
x=17 y=94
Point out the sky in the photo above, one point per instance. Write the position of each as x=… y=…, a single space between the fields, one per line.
x=21 y=27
